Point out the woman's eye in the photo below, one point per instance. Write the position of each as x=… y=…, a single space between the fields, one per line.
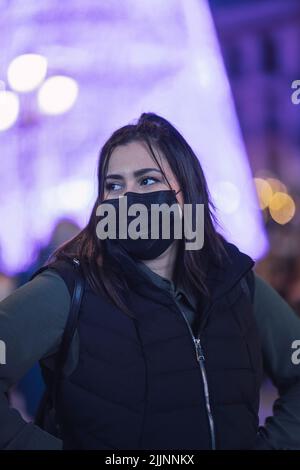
x=112 y=186
x=149 y=178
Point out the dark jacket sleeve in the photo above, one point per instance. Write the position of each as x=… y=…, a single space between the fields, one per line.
x=32 y=320
x=279 y=328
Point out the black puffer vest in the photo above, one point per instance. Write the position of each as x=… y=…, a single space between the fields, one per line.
x=147 y=383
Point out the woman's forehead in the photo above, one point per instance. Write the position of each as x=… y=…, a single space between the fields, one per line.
x=133 y=156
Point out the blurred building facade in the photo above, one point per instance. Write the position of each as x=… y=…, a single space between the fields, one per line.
x=260 y=42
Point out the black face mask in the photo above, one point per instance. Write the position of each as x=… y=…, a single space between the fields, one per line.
x=145 y=248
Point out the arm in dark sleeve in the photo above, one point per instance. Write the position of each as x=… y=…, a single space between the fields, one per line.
x=279 y=327
x=32 y=320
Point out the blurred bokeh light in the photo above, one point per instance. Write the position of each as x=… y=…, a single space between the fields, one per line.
x=26 y=72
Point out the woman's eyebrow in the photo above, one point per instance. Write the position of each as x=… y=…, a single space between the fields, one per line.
x=136 y=173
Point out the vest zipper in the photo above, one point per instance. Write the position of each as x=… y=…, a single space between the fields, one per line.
x=201 y=360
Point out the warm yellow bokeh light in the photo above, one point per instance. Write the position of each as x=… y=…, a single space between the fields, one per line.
x=282 y=208
x=264 y=192
x=276 y=185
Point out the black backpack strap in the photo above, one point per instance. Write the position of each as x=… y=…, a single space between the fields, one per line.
x=79 y=284
x=69 y=328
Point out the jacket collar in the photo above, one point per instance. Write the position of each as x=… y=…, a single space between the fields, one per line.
x=234 y=265
x=219 y=278
x=174 y=288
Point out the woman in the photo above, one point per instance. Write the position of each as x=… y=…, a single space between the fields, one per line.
x=167 y=352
